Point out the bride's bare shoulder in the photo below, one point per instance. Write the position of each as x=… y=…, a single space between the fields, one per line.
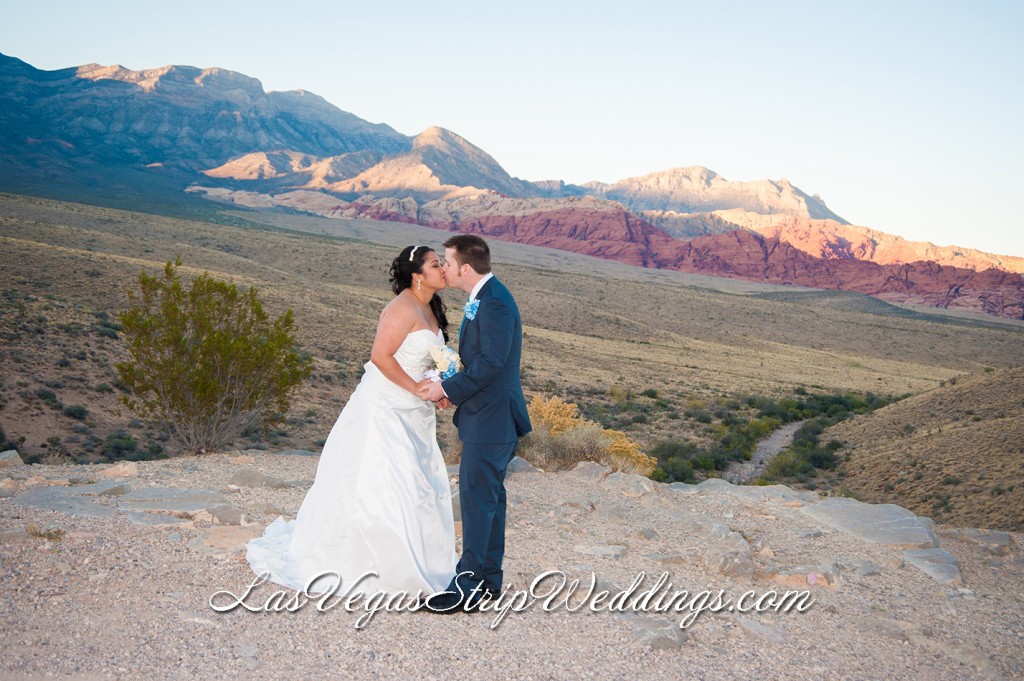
x=400 y=309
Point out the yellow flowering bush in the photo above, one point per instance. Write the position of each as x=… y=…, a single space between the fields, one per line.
x=623 y=454
x=561 y=438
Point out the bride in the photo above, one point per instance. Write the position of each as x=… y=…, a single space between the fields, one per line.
x=380 y=503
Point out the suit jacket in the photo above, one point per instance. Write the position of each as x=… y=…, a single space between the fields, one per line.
x=488 y=391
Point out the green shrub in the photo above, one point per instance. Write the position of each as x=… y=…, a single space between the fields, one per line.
x=788 y=464
x=207 y=362
x=120 y=445
x=76 y=411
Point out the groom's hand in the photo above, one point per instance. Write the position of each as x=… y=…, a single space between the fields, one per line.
x=430 y=391
x=443 y=403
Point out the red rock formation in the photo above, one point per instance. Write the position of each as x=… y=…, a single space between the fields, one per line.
x=618 y=235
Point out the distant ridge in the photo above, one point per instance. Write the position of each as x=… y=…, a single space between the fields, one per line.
x=127 y=136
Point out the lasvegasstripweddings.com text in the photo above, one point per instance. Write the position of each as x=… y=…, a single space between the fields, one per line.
x=552 y=590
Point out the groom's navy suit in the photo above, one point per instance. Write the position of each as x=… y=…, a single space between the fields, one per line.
x=491 y=416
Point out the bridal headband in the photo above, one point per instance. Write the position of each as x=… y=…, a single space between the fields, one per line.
x=412 y=253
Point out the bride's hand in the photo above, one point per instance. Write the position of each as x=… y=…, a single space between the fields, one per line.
x=443 y=403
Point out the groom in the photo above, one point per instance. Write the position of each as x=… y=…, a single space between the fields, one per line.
x=491 y=415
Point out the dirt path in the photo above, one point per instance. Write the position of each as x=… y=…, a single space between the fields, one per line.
x=742 y=473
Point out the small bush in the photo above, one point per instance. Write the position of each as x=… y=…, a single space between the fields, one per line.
x=76 y=411
x=788 y=464
x=120 y=445
x=45 y=395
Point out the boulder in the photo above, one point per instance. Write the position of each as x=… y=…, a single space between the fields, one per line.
x=589 y=470
x=996 y=542
x=759 y=631
x=803 y=576
x=653 y=633
x=724 y=552
x=684 y=487
x=124 y=469
x=629 y=485
x=518 y=465
x=225 y=514
x=10 y=458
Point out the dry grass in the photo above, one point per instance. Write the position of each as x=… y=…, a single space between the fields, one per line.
x=955 y=453
x=595 y=332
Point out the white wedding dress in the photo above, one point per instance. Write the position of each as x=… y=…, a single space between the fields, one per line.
x=380 y=502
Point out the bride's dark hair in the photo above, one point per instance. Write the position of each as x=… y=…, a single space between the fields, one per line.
x=409 y=262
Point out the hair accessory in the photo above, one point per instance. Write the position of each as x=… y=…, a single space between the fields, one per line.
x=412 y=253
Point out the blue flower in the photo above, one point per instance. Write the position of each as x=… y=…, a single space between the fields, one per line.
x=470 y=309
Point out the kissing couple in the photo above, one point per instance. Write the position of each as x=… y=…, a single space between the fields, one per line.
x=380 y=507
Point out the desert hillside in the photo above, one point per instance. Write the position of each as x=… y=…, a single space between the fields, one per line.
x=954 y=453
x=661 y=356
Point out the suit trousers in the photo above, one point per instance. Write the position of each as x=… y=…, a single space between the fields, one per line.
x=482 y=501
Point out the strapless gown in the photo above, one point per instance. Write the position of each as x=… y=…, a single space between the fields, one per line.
x=380 y=502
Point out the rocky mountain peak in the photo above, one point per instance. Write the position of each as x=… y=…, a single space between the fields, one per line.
x=215 y=79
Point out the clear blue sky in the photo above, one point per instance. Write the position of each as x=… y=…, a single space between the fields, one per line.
x=904 y=116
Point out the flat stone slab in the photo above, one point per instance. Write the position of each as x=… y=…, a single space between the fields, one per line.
x=248 y=477
x=601 y=550
x=170 y=499
x=878 y=523
x=82 y=500
x=756 y=492
x=684 y=487
x=939 y=564
x=297 y=452
x=65 y=500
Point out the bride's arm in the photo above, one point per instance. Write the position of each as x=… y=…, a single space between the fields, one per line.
x=395 y=323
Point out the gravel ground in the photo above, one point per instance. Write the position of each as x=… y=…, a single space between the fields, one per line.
x=114 y=599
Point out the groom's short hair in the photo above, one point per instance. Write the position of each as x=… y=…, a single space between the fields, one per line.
x=472 y=251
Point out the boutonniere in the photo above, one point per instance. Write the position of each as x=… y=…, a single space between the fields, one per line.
x=470 y=309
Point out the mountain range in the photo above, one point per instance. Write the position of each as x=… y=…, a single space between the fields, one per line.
x=181 y=131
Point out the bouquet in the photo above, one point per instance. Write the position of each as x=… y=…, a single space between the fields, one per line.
x=446 y=361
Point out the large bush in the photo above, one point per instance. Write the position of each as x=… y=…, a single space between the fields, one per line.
x=206 y=361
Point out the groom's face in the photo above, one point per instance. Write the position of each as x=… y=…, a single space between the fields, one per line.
x=452 y=269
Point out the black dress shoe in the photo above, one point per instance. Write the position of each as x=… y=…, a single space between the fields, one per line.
x=443 y=603
x=451 y=602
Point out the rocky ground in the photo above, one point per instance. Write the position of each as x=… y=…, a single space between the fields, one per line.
x=107 y=571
